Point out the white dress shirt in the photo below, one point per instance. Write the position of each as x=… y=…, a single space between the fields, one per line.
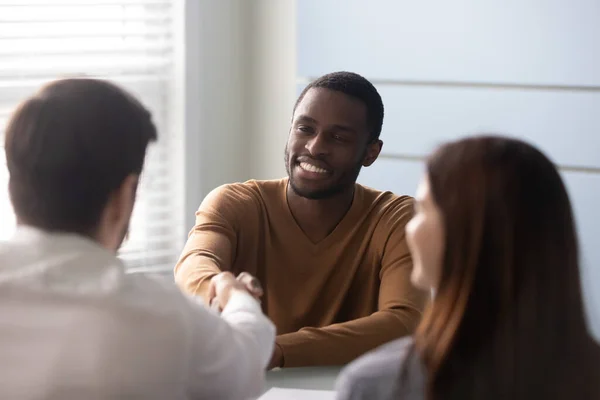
x=74 y=325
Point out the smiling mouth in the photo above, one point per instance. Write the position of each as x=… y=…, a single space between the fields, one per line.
x=314 y=169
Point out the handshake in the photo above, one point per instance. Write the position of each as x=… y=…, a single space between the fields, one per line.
x=224 y=284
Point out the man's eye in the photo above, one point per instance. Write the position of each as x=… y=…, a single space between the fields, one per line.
x=344 y=139
x=305 y=129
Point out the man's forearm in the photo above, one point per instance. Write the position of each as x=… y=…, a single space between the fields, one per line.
x=339 y=344
x=193 y=276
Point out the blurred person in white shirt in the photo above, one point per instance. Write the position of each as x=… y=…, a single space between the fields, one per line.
x=73 y=324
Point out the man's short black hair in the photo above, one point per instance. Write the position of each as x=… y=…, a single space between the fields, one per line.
x=70 y=146
x=358 y=87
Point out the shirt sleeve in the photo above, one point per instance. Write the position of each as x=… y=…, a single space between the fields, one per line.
x=400 y=306
x=211 y=244
x=230 y=352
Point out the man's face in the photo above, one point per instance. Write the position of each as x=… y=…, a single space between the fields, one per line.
x=328 y=144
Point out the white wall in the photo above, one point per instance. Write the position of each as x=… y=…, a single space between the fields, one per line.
x=215 y=78
x=272 y=90
x=445 y=69
x=239 y=74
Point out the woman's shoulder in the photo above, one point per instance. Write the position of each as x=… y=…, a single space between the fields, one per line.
x=377 y=374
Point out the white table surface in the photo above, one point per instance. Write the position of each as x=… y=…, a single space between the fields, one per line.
x=297 y=394
x=317 y=378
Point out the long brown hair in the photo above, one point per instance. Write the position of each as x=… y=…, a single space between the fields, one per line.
x=507 y=321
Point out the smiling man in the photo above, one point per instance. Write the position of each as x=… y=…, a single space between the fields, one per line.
x=331 y=253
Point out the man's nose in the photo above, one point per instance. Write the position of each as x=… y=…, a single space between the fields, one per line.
x=318 y=145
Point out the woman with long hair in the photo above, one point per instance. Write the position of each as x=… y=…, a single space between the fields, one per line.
x=493 y=237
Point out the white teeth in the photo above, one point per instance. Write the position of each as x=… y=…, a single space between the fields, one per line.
x=311 y=168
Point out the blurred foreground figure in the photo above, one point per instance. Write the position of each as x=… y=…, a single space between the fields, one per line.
x=73 y=325
x=493 y=236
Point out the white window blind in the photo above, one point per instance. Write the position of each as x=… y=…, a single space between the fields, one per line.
x=128 y=42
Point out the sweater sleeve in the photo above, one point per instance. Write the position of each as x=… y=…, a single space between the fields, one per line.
x=399 y=306
x=211 y=244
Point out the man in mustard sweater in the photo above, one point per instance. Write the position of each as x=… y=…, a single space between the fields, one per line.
x=331 y=254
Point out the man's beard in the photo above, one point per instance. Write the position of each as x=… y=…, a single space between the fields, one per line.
x=347 y=180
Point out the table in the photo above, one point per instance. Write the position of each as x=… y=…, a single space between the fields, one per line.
x=318 y=378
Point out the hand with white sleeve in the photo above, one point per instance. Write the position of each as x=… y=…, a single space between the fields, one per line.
x=223 y=285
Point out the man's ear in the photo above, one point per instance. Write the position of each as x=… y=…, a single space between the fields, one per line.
x=117 y=214
x=124 y=197
x=373 y=150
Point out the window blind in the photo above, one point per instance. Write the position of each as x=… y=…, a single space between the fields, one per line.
x=129 y=42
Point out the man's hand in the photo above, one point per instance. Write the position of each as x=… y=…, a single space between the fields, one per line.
x=221 y=287
x=276 y=358
x=224 y=284
x=252 y=284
